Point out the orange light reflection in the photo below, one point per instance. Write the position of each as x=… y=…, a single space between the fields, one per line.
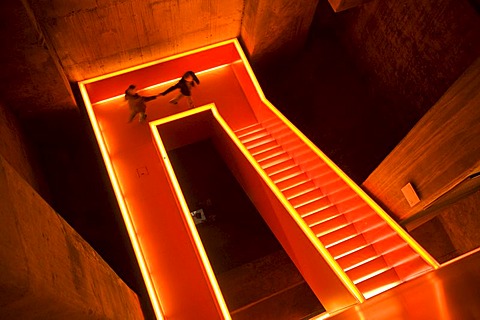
x=123 y=207
x=186 y=211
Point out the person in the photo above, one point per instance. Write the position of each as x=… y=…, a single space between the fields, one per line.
x=136 y=103
x=186 y=83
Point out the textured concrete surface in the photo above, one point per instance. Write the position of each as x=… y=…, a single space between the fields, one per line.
x=341 y=5
x=48 y=270
x=411 y=51
x=440 y=152
x=15 y=149
x=275 y=30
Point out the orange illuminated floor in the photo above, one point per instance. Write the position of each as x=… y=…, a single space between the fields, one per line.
x=135 y=159
x=449 y=293
x=346 y=247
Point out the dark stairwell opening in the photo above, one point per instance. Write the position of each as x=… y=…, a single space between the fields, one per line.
x=257 y=278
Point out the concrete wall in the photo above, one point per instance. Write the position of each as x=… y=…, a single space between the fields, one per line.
x=48 y=270
x=13 y=147
x=411 y=51
x=440 y=152
x=32 y=80
x=52 y=43
x=93 y=38
x=275 y=30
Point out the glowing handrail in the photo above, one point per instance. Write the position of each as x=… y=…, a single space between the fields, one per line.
x=184 y=207
x=400 y=231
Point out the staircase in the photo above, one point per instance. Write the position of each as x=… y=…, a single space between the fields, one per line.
x=370 y=252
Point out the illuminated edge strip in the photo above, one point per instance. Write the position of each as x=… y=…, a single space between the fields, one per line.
x=401 y=232
x=123 y=207
x=149 y=64
x=322 y=316
x=307 y=230
x=183 y=204
x=162 y=83
x=293 y=213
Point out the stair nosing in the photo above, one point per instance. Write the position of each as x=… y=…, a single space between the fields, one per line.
x=358 y=264
x=262 y=151
x=281 y=170
x=342 y=240
x=372 y=275
x=321 y=234
x=325 y=220
x=317 y=210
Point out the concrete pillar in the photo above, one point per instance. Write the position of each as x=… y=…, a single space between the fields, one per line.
x=47 y=270
x=275 y=29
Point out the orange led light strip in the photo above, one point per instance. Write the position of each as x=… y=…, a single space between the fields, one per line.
x=162 y=84
x=400 y=231
x=123 y=207
x=148 y=64
x=183 y=204
x=293 y=213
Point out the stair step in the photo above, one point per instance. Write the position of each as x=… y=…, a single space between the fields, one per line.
x=279 y=167
x=286 y=174
x=274 y=160
x=357 y=257
x=267 y=154
x=255 y=135
x=358 y=213
x=382 y=232
x=328 y=226
x=248 y=129
x=347 y=246
x=412 y=268
x=263 y=148
x=313 y=207
x=275 y=124
x=318 y=167
x=381 y=282
x=329 y=180
x=399 y=254
x=347 y=204
x=343 y=194
x=369 y=222
x=367 y=269
x=388 y=244
x=292 y=182
x=322 y=215
x=306 y=197
x=339 y=235
x=259 y=142
x=299 y=189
